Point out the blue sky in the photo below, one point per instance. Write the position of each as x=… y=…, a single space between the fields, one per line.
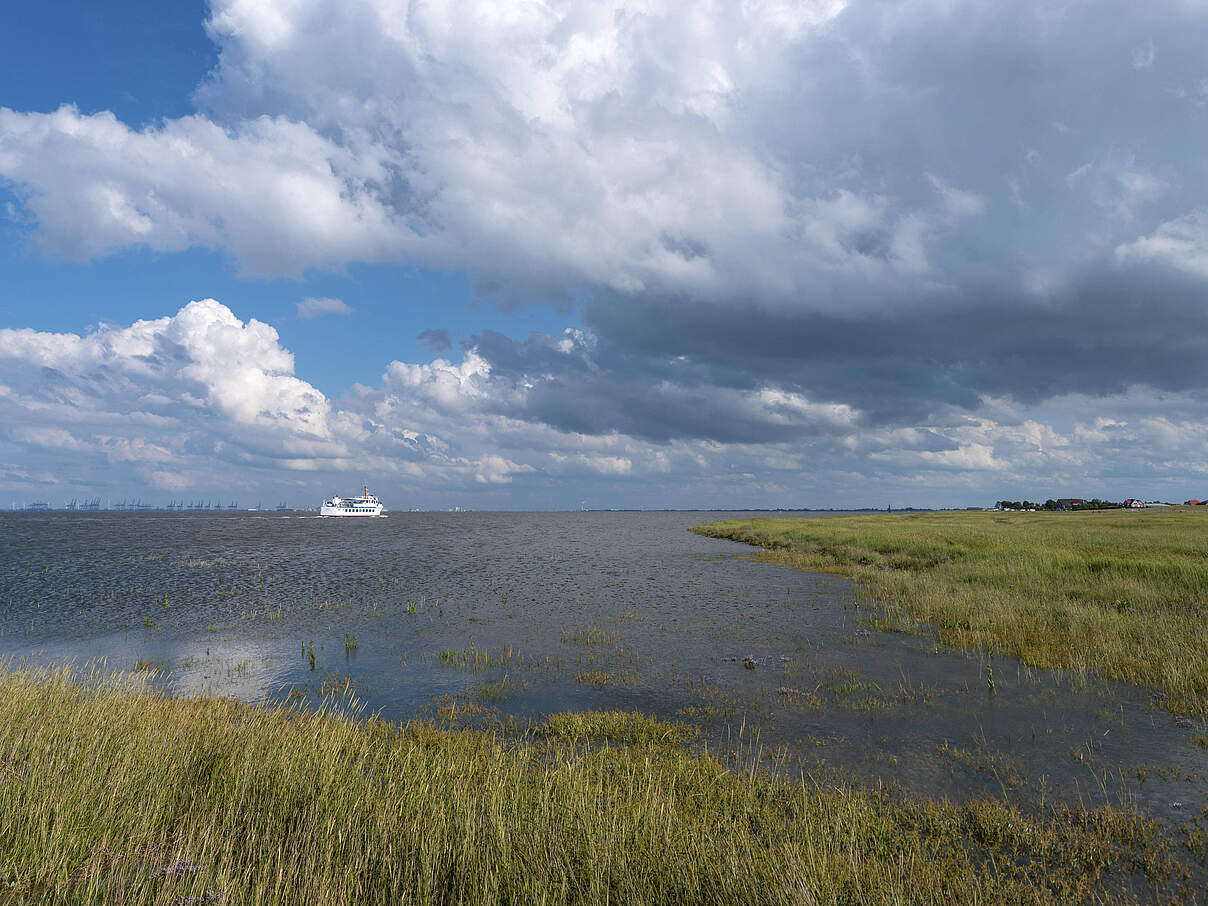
x=392 y=304
x=829 y=253
x=141 y=60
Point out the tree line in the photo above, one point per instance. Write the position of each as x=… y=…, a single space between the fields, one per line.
x=1050 y=504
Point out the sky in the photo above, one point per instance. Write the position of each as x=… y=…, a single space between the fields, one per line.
x=521 y=255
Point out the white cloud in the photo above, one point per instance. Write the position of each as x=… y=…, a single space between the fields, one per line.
x=119 y=391
x=958 y=203
x=493 y=469
x=543 y=146
x=275 y=192
x=311 y=307
x=56 y=438
x=1182 y=243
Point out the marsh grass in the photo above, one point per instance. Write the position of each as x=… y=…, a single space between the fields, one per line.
x=498 y=691
x=471 y=657
x=981 y=758
x=590 y=635
x=111 y=793
x=625 y=727
x=1121 y=593
x=605 y=678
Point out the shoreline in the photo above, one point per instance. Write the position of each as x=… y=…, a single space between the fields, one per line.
x=116 y=794
x=1120 y=595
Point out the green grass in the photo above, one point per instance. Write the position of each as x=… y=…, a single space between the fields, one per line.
x=112 y=794
x=1120 y=593
x=626 y=727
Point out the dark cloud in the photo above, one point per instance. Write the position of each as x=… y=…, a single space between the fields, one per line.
x=436 y=341
x=662 y=369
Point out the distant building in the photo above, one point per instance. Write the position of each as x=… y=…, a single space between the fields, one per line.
x=1133 y=504
x=1193 y=502
x=1068 y=503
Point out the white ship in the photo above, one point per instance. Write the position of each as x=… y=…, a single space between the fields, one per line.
x=365 y=505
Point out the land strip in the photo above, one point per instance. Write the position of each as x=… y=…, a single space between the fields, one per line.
x=1121 y=593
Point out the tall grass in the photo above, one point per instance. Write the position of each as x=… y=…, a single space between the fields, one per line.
x=1122 y=593
x=112 y=794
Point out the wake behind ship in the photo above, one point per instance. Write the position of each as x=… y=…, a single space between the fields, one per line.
x=365 y=505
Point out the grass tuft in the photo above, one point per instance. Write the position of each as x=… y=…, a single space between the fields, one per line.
x=627 y=727
x=112 y=793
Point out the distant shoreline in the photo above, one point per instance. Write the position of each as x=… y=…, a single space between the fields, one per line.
x=1104 y=590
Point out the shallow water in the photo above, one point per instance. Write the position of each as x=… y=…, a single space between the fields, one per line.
x=543 y=612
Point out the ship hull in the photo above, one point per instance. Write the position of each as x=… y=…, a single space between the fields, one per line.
x=351 y=512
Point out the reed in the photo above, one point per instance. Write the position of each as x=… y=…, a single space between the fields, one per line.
x=1120 y=593
x=111 y=793
x=591 y=635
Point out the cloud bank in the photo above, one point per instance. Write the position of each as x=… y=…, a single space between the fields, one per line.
x=204 y=403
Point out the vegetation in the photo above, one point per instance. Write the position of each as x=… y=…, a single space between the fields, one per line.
x=1051 y=504
x=1123 y=593
x=628 y=727
x=113 y=794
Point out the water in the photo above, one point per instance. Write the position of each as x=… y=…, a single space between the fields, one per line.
x=528 y=614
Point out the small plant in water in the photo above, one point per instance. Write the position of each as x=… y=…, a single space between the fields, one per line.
x=498 y=691
x=350 y=644
x=597 y=678
x=990 y=668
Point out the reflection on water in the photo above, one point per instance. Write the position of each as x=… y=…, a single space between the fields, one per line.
x=532 y=613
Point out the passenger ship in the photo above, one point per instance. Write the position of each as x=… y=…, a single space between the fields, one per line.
x=365 y=505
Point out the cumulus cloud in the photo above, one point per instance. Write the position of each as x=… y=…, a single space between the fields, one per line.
x=272 y=191
x=165 y=390
x=311 y=307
